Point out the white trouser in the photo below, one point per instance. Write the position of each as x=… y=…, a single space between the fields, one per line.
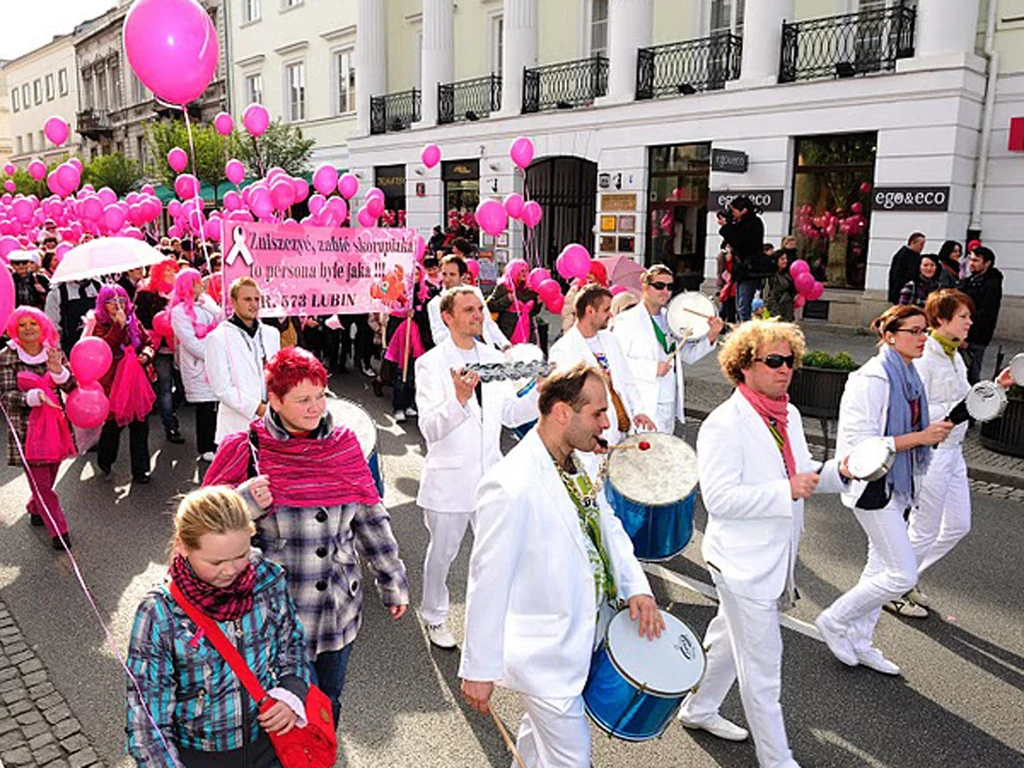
x=744 y=640
x=943 y=513
x=554 y=733
x=446 y=531
x=891 y=572
x=665 y=417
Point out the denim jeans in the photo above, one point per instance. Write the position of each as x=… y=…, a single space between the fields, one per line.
x=745 y=290
x=329 y=671
x=164 y=365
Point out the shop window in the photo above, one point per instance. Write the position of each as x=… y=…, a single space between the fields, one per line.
x=832 y=205
x=461 y=197
x=390 y=179
x=677 y=210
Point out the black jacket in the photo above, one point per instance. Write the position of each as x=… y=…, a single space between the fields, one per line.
x=904 y=268
x=986 y=291
x=746 y=238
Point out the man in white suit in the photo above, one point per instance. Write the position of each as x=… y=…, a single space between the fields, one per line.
x=647 y=342
x=549 y=553
x=588 y=342
x=755 y=472
x=236 y=353
x=453 y=269
x=461 y=419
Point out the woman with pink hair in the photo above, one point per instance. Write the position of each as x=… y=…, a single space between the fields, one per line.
x=515 y=304
x=193 y=315
x=33 y=371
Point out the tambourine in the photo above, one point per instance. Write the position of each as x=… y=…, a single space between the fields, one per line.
x=510 y=371
x=1017 y=369
x=871 y=459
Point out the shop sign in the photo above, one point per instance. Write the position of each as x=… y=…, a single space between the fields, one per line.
x=729 y=161
x=459 y=170
x=768 y=200
x=910 y=199
x=623 y=202
x=391 y=180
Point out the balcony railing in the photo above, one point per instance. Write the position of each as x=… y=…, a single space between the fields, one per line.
x=566 y=85
x=394 y=111
x=689 y=66
x=93 y=123
x=468 y=99
x=847 y=45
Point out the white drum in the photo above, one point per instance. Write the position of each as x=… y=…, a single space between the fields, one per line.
x=1017 y=369
x=688 y=315
x=523 y=353
x=347 y=413
x=871 y=459
x=986 y=401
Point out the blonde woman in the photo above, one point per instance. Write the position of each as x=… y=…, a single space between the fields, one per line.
x=190 y=708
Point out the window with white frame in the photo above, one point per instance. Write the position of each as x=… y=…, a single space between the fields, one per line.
x=101 y=91
x=26 y=96
x=139 y=92
x=37 y=91
x=345 y=74
x=115 y=85
x=15 y=100
x=88 y=97
x=497 y=42
x=295 y=88
x=598 y=27
x=252 y=10
x=21 y=145
x=254 y=89
x=62 y=82
x=49 y=87
x=726 y=16
x=29 y=137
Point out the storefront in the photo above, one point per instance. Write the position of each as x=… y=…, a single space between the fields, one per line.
x=461 y=193
x=677 y=210
x=390 y=179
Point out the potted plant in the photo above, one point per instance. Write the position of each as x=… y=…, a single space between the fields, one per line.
x=818 y=384
x=1006 y=434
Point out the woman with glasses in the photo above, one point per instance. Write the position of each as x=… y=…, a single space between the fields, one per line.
x=884 y=398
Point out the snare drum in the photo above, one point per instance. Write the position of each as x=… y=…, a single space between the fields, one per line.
x=524 y=353
x=688 y=314
x=348 y=414
x=1017 y=369
x=870 y=459
x=986 y=401
x=653 y=493
x=636 y=685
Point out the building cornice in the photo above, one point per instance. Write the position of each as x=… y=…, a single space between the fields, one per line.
x=290 y=48
x=250 y=61
x=334 y=35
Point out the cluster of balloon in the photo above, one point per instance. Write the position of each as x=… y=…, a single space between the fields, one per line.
x=328 y=210
x=808 y=289
x=87 y=405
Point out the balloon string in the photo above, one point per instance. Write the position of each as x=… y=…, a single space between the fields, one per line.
x=199 y=189
x=34 y=488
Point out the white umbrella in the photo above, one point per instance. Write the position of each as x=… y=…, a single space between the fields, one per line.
x=105 y=256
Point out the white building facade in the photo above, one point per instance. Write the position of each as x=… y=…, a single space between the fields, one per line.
x=647 y=115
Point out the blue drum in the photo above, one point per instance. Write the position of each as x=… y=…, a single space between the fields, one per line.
x=349 y=414
x=522 y=429
x=653 y=493
x=636 y=685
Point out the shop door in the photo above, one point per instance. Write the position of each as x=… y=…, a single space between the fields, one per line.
x=678 y=211
x=566 y=188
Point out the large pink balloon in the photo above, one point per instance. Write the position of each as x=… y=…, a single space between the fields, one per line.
x=317 y=203
x=532 y=213
x=473 y=267
x=348 y=185
x=90 y=359
x=338 y=208
x=537 y=276
x=22 y=208
x=223 y=123
x=799 y=267
x=87 y=406
x=325 y=179
x=232 y=200
x=8 y=243
x=365 y=218
x=256 y=119
x=10 y=186
x=234 y=171
x=56 y=130
x=172 y=46
x=186 y=186
x=107 y=196
x=803 y=282
x=113 y=218
x=431 y=155
x=282 y=195
x=68 y=176
x=575 y=262
x=514 y=205
x=375 y=205
x=7 y=296
x=37 y=170
x=815 y=292
x=9 y=169
x=177 y=159
x=548 y=289
x=521 y=152
x=374 y=192
x=556 y=304
x=491 y=217
x=261 y=204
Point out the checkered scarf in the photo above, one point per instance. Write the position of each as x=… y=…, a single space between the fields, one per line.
x=219 y=603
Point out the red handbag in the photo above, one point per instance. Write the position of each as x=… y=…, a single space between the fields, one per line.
x=316 y=745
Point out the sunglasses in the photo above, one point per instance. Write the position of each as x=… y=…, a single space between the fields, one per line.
x=777 y=361
x=660 y=286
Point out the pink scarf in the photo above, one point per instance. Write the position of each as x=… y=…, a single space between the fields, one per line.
x=524 y=325
x=776 y=416
x=48 y=439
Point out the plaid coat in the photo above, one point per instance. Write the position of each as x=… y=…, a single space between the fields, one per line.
x=14 y=399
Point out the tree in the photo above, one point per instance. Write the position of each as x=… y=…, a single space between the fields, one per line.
x=282 y=146
x=211 y=152
x=26 y=185
x=120 y=173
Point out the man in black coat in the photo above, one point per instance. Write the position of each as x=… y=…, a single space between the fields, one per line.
x=904 y=266
x=984 y=285
x=743 y=230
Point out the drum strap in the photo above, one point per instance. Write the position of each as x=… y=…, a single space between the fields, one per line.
x=584 y=496
x=669 y=347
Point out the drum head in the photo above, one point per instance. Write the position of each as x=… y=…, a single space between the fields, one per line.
x=685 y=324
x=349 y=414
x=524 y=353
x=1017 y=369
x=663 y=474
x=986 y=401
x=666 y=666
x=869 y=457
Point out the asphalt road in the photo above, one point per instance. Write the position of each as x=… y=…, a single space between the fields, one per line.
x=960 y=702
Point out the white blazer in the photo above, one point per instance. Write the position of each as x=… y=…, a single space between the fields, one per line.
x=463 y=442
x=234 y=363
x=754 y=525
x=439 y=331
x=190 y=352
x=572 y=348
x=635 y=331
x=945 y=382
x=531 y=616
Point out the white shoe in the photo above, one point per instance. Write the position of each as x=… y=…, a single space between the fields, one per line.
x=411 y=411
x=918 y=597
x=716 y=725
x=368 y=371
x=441 y=636
x=873 y=658
x=906 y=607
x=837 y=642
x=399 y=416
x=208 y=456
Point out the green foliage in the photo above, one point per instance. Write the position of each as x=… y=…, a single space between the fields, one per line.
x=211 y=151
x=838 y=362
x=120 y=173
x=281 y=146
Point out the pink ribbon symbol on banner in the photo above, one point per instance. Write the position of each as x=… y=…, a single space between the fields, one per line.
x=238 y=249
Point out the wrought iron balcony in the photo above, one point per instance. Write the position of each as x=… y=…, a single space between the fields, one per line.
x=566 y=85
x=468 y=99
x=689 y=66
x=94 y=123
x=394 y=111
x=847 y=45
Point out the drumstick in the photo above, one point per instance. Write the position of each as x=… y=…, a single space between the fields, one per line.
x=701 y=314
x=643 y=445
x=508 y=741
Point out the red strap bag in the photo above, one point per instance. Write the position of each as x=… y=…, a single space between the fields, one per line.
x=316 y=745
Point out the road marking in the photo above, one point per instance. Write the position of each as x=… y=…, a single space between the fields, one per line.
x=707 y=590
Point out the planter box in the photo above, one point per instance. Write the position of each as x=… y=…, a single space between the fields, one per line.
x=1006 y=434
x=817 y=391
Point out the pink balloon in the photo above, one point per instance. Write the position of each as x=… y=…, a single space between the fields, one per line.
x=91 y=358
x=68 y=176
x=803 y=282
x=56 y=130
x=87 y=407
x=325 y=179
x=537 y=276
x=78 y=164
x=261 y=204
x=213 y=230
x=107 y=196
x=256 y=119
x=473 y=267
x=37 y=170
x=421 y=248
x=113 y=218
x=177 y=159
x=9 y=169
x=798 y=301
x=375 y=205
x=514 y=205
x=556 y=304
x=301 y=187
x=10 y=186
x=815 y=292
x=174 y=231
x=317 y=203
x=162 y=324
x=491 y=217
x=365 y=218
x=575 y=262
x=799 y=267
x=282 y=195
x=172 y=45
x=532 y=214
x=223 y=123
x=232 y=200
x=54 y=185
x=373 y=192
x=548 y=289
x=22 y=208
x=234 y=171
x=338 y=209
x=521 y=152
x=186 y=186
x=431 y=155
x=348 y=185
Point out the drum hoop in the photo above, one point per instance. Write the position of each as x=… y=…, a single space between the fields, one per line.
x=635 y=739
x=627 y=497
x=643 y=687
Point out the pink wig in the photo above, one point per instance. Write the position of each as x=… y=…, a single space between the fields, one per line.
x=50 y=336
x=513 y=270
x=184 y=284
